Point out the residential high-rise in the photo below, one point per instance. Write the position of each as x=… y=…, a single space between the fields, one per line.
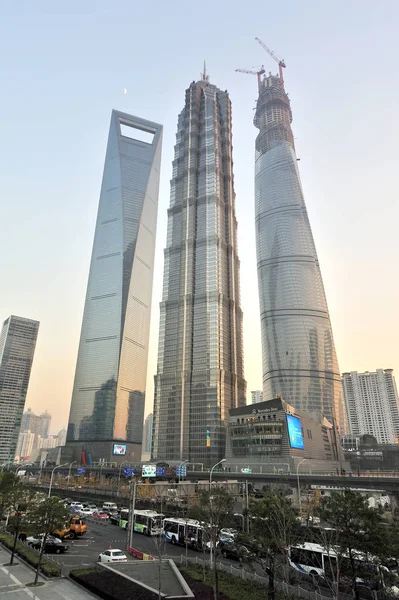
x=44 y=424
x=299 y=359
x=200 y=374
x=17 y=347
x=25 y=445
x=113 y=351
x=147 y=436
x=372 y=404
x=256 y=396
x=30 y=422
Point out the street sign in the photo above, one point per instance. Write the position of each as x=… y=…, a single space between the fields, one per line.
x=81 y=470
x=128 y=471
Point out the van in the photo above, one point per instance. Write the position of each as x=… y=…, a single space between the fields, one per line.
x=111 y=506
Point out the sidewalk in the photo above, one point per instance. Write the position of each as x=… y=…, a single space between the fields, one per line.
x=13 y=582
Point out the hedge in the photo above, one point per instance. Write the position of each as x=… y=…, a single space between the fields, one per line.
x=30 y=556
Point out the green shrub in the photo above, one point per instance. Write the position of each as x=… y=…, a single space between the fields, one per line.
x=32 y=558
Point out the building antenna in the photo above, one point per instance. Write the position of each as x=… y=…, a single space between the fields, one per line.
x=204 y=76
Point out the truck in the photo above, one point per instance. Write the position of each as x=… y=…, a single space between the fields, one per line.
x=74 y=529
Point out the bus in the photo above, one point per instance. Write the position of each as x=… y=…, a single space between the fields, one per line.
x=148 y=522
x=317 y=561
x=183 y=531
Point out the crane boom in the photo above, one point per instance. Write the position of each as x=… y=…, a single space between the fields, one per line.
x=279 y=61
x=258 y=73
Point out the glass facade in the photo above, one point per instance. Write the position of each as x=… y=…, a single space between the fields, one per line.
x=299 y=359
x=200 y=361
x=109 y=388
x=17 y=347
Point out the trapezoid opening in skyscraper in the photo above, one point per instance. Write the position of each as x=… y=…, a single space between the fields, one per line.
x=200 y=373
x=299 y=358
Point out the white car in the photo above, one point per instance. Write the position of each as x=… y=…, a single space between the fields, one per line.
x=112 y=556
x=86 y=511
x=228 y=533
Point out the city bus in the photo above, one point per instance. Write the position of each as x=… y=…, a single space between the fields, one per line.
x=183 y=531
x=317 y=561
x=148 y=522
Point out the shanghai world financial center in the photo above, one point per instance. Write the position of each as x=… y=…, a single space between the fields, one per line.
x=107 y=408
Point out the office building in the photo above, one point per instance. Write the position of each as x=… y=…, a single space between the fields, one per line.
x=200 y=360
x=272 y=436
x=17 y=347
x=299 y=359
x=111 y=369
x=372 y=404
x=256 y=396
x=147 y=437
x=44 y=424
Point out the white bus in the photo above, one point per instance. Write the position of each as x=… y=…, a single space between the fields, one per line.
x=148 y=522
x=317 y=561
x=183 y=531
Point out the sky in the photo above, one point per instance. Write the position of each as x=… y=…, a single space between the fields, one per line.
x=64 y=67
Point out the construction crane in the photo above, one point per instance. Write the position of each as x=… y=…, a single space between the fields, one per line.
x=279 y=61
x=258 y=73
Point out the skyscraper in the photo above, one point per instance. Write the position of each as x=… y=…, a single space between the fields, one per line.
x=299 y=359
x=147 y=436
x=17 y=347
x=44 y=424
x=372 y=404
x=200 y=361
x=256 y=396
x=111 y=367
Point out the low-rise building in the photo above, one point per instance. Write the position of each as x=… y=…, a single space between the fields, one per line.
x=272 y=435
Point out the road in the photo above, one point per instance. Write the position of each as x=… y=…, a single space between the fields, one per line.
x=102 y=535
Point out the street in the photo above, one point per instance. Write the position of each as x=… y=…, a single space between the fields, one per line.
x=100 y=536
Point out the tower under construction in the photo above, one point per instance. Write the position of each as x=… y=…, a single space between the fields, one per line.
x=299 y=358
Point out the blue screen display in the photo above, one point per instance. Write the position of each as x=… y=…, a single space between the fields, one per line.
x=295 y=432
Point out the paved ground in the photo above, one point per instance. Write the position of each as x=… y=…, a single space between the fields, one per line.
x=13 y=582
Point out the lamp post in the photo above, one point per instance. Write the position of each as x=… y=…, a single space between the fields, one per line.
x=119 y=476
x=179 y=467
x=299 y=487
x=210 y=474
x=69 y=470
x=52 y=474
x=210 y=500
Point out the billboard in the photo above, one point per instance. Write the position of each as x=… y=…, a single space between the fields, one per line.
x=119 y=449
x=128 y=471
x=149 y=471
x=161 y=471
x=295 y=432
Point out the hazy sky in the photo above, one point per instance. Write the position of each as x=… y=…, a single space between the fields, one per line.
x=63 y=68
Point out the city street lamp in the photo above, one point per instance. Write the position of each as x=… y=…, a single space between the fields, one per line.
x=69 y=471
x=52 y=474
x=299 y=487
x=210 y=474
x=180 y=466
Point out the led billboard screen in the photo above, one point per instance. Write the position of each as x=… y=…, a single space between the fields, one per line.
x=119 y=449
x=295 y=432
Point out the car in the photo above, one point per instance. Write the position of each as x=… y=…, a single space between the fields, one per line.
x=113 y=555
x=229 y=549
x=101 y=515
x=92 y=506
x=228 y=533
x=76 y=506
x=114 y=519
x=52 y=544
x=86 y=511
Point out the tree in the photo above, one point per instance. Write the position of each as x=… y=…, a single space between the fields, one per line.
x=215 y=508
x=49 y=515
x=274 y=527
x=362 y=544
x=17 y=501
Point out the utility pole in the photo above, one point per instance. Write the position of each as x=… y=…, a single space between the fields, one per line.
x=132 y=504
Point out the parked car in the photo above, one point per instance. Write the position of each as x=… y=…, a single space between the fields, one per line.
x=52 y=544
x=229 y=549
x=228 y=533
x=86 y=511
x=101 y=515
x=76 y=506
x=112 y=556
